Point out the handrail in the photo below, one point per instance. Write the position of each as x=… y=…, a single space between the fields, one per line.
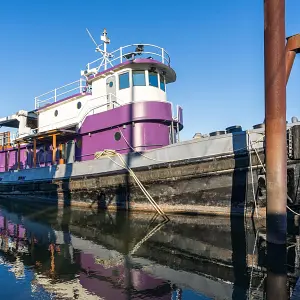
x=162 y=55
x=57 y=92
x=86 y=105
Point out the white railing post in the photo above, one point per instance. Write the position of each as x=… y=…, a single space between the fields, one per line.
x=163 y=55
x=54 y=95
x=80 y=85
x=35 y=102
x=121 y=54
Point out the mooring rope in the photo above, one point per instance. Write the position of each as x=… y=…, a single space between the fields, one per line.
x=264 y=169
x=108 y=153
x=252 y=178
x=168 y=161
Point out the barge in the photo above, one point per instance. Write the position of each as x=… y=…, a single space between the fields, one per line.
x=112 y=140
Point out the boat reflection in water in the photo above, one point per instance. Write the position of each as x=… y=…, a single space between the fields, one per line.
x=85 y=255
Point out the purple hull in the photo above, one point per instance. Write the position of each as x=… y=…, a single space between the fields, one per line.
x=145 y=126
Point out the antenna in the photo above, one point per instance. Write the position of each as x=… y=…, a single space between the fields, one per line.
x=105 y=55
x=92 y=37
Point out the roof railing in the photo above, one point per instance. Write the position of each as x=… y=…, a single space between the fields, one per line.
x=129 y=52
x=70 y=89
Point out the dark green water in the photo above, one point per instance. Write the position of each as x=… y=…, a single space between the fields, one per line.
x=46 y=253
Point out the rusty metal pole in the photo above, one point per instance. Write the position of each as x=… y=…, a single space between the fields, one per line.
x=290 y=57
x=276 y=156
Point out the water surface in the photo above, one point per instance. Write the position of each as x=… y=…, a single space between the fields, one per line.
x=46 y=253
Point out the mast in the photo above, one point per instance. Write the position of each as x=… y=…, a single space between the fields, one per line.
x=106 y=41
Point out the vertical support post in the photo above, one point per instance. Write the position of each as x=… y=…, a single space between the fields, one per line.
x=55 y=92
x=19 y=156
x=80 y=85
x=163 y=55
x=34 y=153
x=61 y=159
x=121 y=55
x=105 y=55
x=172 y=132
x=6 y=159
x=54 y=149
x=276 y=156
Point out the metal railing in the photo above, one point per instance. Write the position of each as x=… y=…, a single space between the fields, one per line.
x=88 y=109
x=130 y=52
x=60 y=93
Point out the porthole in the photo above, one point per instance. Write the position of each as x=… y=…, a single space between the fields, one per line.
x=117 y=136
x=79 y=105
x=111 y=84
x=56 y=113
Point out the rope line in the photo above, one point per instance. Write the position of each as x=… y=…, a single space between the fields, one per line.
x=252 y=178
x=124 y=165
x=166 y=161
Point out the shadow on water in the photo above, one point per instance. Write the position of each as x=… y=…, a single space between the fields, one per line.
x=237 y=223
x=71 y=150
x=273 y=259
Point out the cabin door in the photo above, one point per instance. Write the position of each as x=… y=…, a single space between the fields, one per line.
x=111 y=91
x=70 y=152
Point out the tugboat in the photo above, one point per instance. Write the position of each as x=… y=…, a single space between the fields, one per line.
x=122 y=93
x=82 y=139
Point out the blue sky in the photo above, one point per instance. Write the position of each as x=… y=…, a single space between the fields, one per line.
x=216 y=48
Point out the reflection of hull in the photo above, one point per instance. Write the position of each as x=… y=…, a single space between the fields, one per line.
x=211 y=254
x=103 y=270
x=98 y=259
x=101 y=282
x=108 y=280
x=111 y=282
x=65 y=290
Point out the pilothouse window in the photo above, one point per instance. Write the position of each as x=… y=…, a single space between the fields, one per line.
x=124 y=81
x=162 y=82
x=139 y=78
x=153 y=79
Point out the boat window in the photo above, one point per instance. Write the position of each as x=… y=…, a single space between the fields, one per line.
x=56 y=113
x=162 y=82
x=78 y=105
x=117 y=136
x=139 y=78
x=124 y=81
x=153 y=79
